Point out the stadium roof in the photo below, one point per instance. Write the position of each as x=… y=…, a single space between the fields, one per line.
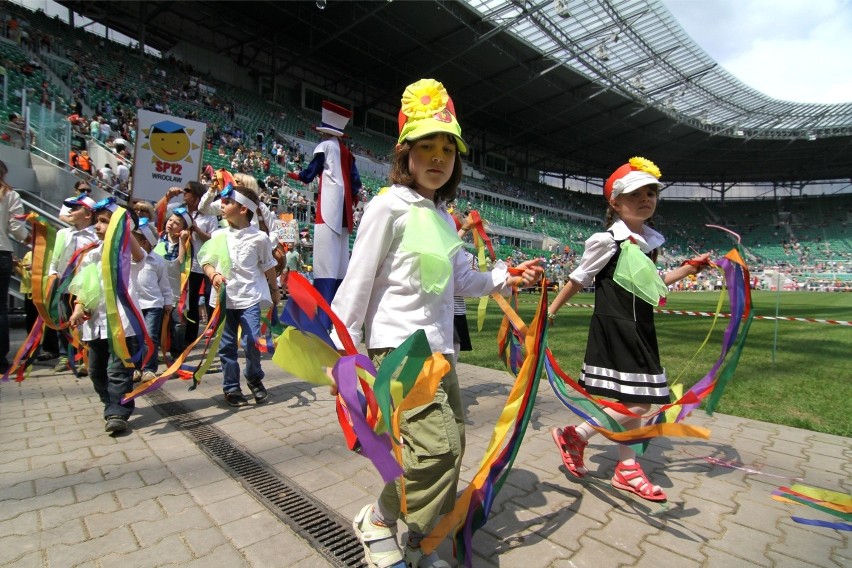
x=561 y=86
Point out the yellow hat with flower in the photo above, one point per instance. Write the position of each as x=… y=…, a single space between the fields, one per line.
x=428 y=109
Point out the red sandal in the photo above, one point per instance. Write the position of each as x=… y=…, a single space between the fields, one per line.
x=571 y=446
x=624 y=474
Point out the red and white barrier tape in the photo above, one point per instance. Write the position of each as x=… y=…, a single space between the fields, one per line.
x=712 y=314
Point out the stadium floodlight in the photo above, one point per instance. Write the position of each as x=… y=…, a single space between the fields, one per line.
x=321 y=4
x=562 y=9
x=602 y=53
x=812 y=136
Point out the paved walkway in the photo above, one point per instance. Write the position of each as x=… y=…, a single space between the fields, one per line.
x=70 y=495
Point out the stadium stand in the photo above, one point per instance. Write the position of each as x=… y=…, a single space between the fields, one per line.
x=91 y=77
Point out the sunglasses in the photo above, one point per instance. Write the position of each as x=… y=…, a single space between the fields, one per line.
x=86 y=189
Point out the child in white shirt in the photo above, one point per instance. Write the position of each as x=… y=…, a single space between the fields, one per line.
x=241 y=257
x=69 y=240
x=151 y=290
x=172 y=247
x=111 y=379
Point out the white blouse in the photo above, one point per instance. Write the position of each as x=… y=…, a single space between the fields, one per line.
x=382 y=290
x=601 y=247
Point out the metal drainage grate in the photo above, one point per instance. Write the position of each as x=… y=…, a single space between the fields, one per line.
x=307 y=517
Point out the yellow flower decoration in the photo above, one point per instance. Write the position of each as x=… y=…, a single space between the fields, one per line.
x=424 y=98
x=646 y=166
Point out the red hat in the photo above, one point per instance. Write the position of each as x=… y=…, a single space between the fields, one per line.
x=334 y=119
x=635 y=174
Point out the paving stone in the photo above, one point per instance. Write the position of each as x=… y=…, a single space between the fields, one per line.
x=754 y=515
x=339 y=494
x=567 y=529
x=28 y=560
x=720 y=516
x=118 y=540
x=624 y=532
x=18 y=491
x=196 y=470
x=710 y=492
x=721 y=559
x=314 y=561
x=150 y=532
x=809 y=543
x=215 y=492
x=86 y=491
x=593 y=554
x=232 y=509
x=12 y=509
x=130 y=497
x=252 y=529
x=223 y=555
x=318 y=479
x=100 y=524
x=744 y=542
x=656 y=557
x=55 y=516
x=203 y=541
x=781 y=561
x=267 y=552
x=683 y=539
x=169 y=551
x=16 y=547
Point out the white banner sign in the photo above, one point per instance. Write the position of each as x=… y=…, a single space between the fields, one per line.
x=168 y=153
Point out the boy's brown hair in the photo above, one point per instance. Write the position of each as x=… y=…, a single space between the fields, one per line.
x=247 y=192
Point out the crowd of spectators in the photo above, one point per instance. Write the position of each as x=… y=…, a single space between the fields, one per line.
x=263 y=149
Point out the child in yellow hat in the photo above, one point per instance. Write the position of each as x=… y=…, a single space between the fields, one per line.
x=404 y=271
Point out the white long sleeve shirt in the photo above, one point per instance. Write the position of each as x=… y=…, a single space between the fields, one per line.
x=68 y=241
x=96 y=326
x=10 y=206
x=149 y=284
x=382 y=290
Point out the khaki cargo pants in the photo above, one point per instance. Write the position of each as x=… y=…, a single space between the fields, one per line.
x=433 y=445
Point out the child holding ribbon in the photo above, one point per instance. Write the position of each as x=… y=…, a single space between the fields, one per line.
x=404 y=271
x=240 y=256
x=92 y=313
x=172 y=247
x=622 y=360
x=152 y=292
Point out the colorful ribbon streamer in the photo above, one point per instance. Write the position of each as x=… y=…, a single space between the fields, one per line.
x=667 y=420
x=473 y=507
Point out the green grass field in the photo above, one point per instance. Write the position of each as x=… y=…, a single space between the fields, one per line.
x=802 y=378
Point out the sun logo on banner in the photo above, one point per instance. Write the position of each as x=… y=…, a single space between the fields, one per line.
x=169 y=141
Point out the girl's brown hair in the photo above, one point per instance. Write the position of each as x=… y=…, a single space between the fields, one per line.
x=400 y=174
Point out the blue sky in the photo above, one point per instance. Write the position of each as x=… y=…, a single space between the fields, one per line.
x=796 y=50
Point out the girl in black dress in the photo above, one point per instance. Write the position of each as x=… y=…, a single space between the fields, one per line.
x=622 y=361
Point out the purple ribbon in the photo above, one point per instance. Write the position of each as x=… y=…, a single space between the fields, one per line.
x=375 y=447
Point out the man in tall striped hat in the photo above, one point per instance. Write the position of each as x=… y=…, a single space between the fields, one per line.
x=339 y=184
